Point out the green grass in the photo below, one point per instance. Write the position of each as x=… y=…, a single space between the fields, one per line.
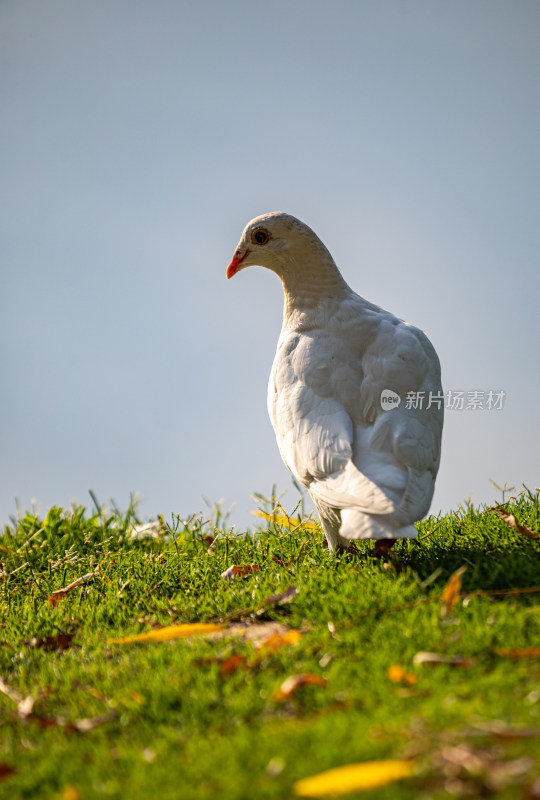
x=176 y=727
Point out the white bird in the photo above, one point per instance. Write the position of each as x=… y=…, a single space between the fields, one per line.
x=369 y=465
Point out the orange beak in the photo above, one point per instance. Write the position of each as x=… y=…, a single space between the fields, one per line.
x=234 y=266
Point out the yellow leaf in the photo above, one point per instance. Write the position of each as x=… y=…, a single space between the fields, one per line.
x=70 y=793
x=353 y=778
x=451 y=591
x=398 y=675
x=170 y=632
x=287 y=522
x=277 y=640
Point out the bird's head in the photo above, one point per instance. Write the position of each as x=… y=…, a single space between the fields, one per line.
x=277 y=241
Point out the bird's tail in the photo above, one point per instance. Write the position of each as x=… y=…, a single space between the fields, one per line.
x=358 y=525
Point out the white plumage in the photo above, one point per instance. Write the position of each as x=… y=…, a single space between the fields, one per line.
x=370 y=471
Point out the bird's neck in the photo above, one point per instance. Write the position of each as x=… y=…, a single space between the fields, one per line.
x=310 y=287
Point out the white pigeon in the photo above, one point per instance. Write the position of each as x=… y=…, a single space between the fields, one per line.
x=369 y=465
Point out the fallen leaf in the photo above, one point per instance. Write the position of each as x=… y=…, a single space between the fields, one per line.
x=25 y=710
x=70 y=793
x=519 y=652
x=58 y=641
x=239 y=571
x=291 y=685
x=353 y=778
x=513 y=523
x=233 y=663
x=59 y=594
x=474 y=762
x=503 y=731
x=277 y=640
x=451 y=592
x=6 y=770
x=441 y=658
x=169 y=633
x=287 y=522
x=398 y=675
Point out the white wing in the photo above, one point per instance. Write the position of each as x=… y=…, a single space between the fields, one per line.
x=315 y=433
x=333 y=434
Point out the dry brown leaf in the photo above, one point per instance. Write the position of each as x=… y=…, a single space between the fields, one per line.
x=513 y=523
x=254 y=631
x=473 y=761
x=169 y=633
x=25 y=710
x=277 y=640
x=460 y=761
x=229 y=665
x=265 y=636
x=6 y=770
x=239 y=571
x=353 y=778
x=519 y=652
x=291 y=685
x=57 y=641
x=440 y=658
x=399 y=675
x=451 y=592
x=233 y=663
x=501 y=730
x=59 y=594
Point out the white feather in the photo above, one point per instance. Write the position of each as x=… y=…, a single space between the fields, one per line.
x=370 y=471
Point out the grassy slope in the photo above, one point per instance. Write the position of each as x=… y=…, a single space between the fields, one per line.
x=184 y=730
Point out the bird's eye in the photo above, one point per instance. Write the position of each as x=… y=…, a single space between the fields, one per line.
x=260 y=236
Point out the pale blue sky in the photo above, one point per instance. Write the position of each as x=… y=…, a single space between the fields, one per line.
x=137 y=140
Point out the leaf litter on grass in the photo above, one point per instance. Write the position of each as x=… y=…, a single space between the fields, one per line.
x=353 y=778
x=368 y=636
